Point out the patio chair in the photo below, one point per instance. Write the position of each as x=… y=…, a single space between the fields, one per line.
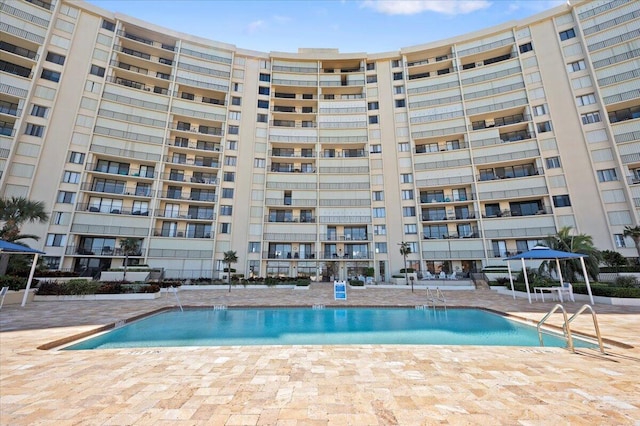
x=443 y=275
x=566 y=290
x=428 y=276
x=3 y=293
x=453 y=276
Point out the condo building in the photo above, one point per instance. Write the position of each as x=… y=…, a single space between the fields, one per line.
x=318 y=162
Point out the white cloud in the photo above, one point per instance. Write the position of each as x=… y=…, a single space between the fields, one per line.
x=413 y=7
x=254 y=26
x=534 y=6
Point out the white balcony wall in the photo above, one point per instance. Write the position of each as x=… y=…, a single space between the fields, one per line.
x=92 y=219
x=622 y=88
x=129 y=127
x=445 y=109
x=292 y=132
x=307 y=78
x=24 y=25
x=484 y=134
x=343 y=118
x=429 y=96
x=629 y=148
x=531 y=182
x=101 y=142
x=189 y=60
x=439 y=125
x=341 y=179
x=614 y=32
x=513 y=97
x=344 y=211
x=343 y=132
x=628 y=66
x=208 y=51
x=493 y=84
x=199 y=110
x=510 y=64
x=144 y=96
x=342 y=104
x=484 y=41
x=444 y=173
x=625 y=127
x=203 y=79
x=447 y=78
x=19 y=83
x=133 y=110
x=506 y=148
x=294 y=64
x=519 y=222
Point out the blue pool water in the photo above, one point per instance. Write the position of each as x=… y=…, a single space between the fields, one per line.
x=306 y=326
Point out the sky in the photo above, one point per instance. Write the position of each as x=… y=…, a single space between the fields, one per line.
x=372 y=26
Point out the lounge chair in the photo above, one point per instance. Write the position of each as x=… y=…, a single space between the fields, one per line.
x=452 y=276
x=429 y=276
x=443 y=275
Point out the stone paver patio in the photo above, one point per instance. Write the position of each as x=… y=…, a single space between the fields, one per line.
x=313 y=385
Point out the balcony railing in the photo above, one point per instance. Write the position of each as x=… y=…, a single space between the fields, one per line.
x=192 y=162
x=447 y=216
x=290 y=219
x=493 y=176
x=185 y=214
x=182 y=233
x=500 y=121
x=74 y=250
x=146 y=41
x=174 y=177
x=514 y=213
x=452 y=235
x=120 y=190
x=344 y=237
x=111 y=210
x=204 y=130
x=131 y=172
x=178 y=195
x=445 y=198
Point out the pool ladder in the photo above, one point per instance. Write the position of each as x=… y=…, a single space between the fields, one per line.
x=433 y=298
x=566 y=327
x=175 y=292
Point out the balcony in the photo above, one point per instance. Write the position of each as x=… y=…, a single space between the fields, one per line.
x=495 y=174
x=146 y=41
x=137 y=85
x=183 y=233
x=191 y=214
x=449 y=216
x=111 y=210
x=289 y=218
x=117 y=189
x=74 y=250
x=201 y=129
x=500 y=121
x=17 y=50
x=199 y=179
x=137 y=173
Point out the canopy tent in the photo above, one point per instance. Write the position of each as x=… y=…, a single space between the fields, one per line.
x=11 y=248
x=545 y=253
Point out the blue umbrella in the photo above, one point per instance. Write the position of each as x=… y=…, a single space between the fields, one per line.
x=545 y=253
x=12 y=248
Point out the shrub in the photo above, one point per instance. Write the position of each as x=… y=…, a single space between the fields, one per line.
x=626 y=282
x=49 y=288
x=110 y=287
x=409 y=270
x=15 y=283
x=57 y=274
x=270 y=281
x=502 y=281
x=397 y=276
x=302 y=282
x=356 y=283
x=79 y=286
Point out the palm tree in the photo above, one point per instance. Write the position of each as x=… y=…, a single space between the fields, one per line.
x=582 y=244
x=15 y=212
x=405 y=249
x=129 y=247
x=230 y=257
x=634 y=233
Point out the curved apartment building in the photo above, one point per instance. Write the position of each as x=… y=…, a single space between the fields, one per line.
x=467 y=149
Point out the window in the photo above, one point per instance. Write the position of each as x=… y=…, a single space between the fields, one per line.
x=108 y=25
x=586 y=99
x=380 y=229
x=381 y=247
x=229 y=176
x=66 y=197
x=372 y=106
x=76 y=157
x=403 y=147
x=237 y=87
x=398 y=90
x=50 y=75
x=527 y=47
x=234 y=115
x=540 y=110
x=259 y=163
x=379 y=212
x=51 y=262
x=553 y=162
x=406 y=178
x=411 y=229
x=378 y=195
x=263 y=104
x=230 y=160
x=34 y=130
x=262 y=118
x=372 y=79
x=567 y=34
x=397 y=76
x=407 y=194
x=263 y=90
x=543 y=127
x=371 y=66
x=619 y=239
x=607 y=175
x=39 y=111
x=254 y=247
x=400 y=103
x=265 y=77
x=96 y=70
x=227 y=192
x=235 y=100
x=225 y=228
x=576 y=66
x=55 y=240
x=373 y=119
x=376 y=149
x=232 y=145
x=186 y=95
x=233 y=130
x=561 y=201
x=55 y=58
x=590 y=117
x=408 y=211
x=226 y=210
x=396 y=63
x=71 y=177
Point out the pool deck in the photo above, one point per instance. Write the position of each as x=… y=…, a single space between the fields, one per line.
x=313 y=385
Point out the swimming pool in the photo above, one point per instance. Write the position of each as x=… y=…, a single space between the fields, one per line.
x=330 y=326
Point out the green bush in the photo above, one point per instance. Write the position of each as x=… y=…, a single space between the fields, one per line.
x=302 y=282
x=79 y=286
x=15 y=283
x=409 y=270
x=631 y=268
x=356 y=283
x=397 y=276
x=56 y=274
x=626 y=282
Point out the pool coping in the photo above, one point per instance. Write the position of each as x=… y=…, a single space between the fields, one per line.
x=76 y=338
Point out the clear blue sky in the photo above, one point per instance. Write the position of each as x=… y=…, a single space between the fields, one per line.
x=352 y=26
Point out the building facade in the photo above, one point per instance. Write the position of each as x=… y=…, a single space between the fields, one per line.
x=318 y=162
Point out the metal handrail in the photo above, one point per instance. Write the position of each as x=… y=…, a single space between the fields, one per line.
x=595 y=323
x=439 y=297
x=565 y=328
